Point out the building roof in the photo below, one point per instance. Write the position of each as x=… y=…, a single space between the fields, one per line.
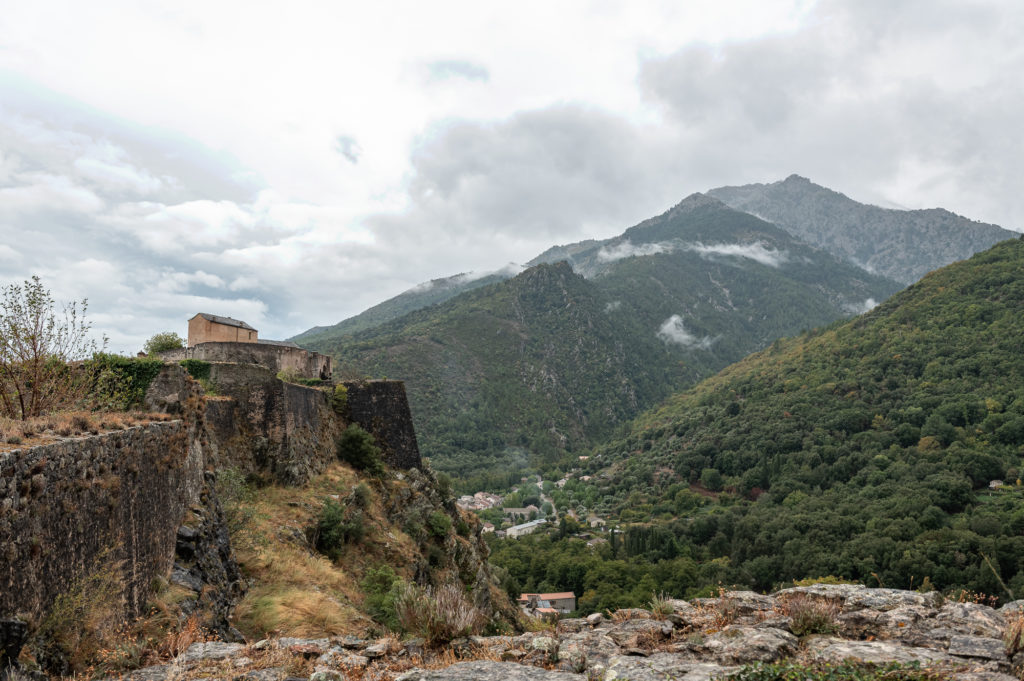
x=532 y=523
x=561 y=595
x=226 y=321
x=286 y=344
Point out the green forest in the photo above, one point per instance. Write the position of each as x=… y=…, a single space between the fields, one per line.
x=863 y=450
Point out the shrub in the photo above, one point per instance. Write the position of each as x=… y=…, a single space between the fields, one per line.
x=661 y=605
x=161 y=342
x=361 y=495
x=120 y=383
x=335 y=528
x=438 y=615
x=439 y=523
x=339 y=400
x=356 y=448
x=380 y=587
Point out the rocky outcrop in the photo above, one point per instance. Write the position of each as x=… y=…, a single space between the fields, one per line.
x=693 y=641
x=205 y=566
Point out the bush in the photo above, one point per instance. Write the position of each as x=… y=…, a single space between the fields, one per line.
x=380 y=586
x=439 y=523
x=161 y=342
x=335 y=528
x=438 y=615
x=120 y=383
x=339 y=400
x=361 y=495
x=356 y=448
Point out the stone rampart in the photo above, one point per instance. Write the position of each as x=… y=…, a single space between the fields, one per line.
x=259 y=423
x=382 y=408
x=111 y=502
x=296 y=361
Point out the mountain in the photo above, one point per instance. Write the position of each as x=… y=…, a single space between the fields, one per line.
x=536 y=367
x=865 y=449
x=900 y=244
x=428 y=293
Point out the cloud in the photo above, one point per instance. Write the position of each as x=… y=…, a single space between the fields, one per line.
x=613 y=306
x=857 y=82
x=446 y=69
x=861 y=307
x=347 y=146
x=625 y=249
x=555 y=172
x=673 y=331
x=756 y=252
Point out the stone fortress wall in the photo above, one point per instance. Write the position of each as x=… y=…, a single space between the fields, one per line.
x=289 y=359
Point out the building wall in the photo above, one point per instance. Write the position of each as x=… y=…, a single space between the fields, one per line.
x=201 y=330
x=302 y=363
x=563 y=604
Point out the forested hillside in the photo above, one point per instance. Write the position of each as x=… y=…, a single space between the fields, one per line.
x=864 y=450
x=531 y=369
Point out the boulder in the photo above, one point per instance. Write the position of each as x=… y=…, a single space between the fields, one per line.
x=739 y=644
x=489 y=671
x=661 y=666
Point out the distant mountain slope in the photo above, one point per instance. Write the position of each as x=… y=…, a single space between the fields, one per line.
x=429 y=293
x=855 y=451
x=900 y=244
x=539 y=365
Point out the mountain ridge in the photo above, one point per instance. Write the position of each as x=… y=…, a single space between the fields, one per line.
x=900 y=244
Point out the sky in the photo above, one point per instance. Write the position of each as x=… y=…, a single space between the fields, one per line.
x=291 y=164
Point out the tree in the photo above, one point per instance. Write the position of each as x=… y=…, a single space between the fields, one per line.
x=166 y=340
x=36 y=344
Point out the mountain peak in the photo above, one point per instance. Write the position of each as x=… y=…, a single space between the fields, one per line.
x=693 y=201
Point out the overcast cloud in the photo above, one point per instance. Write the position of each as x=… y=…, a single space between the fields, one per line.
x=165 y=159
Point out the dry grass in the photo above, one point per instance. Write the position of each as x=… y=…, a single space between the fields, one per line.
x=719 y=614
x=41 y=430
x=809 y=615
x=297 y=591
x=1013 y=639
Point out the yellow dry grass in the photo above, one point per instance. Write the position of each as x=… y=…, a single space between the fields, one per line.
x=296 y=591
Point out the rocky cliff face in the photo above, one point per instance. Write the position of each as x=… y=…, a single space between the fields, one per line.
x=901 y=244
x=697 y=640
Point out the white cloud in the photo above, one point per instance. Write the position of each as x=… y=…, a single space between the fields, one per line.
x=613 y=306
x=39 y=192
x=861 y=307
x=673 y=331
x=756 y=252
x=625 y=249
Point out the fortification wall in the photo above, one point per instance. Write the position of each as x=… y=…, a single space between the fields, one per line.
x=382 y=408
x=111 y=502
x=259 y=423
x=302 y=363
